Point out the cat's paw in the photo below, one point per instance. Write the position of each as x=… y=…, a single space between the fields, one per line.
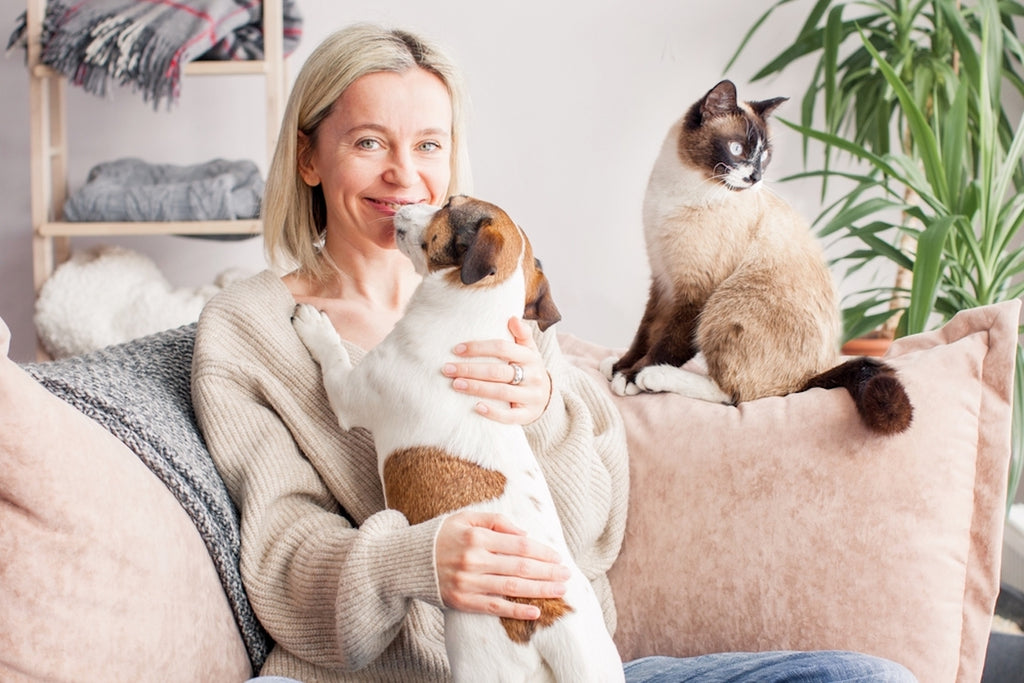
x=607 y=367
x=316 y=331
x=619 y=384
x=669 y=378
x=623 y=387
x=656 y=378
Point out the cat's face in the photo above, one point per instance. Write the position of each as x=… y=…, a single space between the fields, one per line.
x=728 y=140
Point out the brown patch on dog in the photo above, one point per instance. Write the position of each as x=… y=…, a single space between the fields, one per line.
x=521 y=630
x=423 y=482
x=485 y=245
x=540 y=306
x=493 y=251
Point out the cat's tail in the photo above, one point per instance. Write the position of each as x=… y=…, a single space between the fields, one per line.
x=877 y=392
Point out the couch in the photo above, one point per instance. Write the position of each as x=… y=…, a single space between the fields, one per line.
x=778 y=524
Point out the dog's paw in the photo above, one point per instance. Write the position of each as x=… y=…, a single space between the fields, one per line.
x=315 y=330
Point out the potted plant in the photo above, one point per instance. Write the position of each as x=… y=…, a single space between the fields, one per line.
x=912 y=93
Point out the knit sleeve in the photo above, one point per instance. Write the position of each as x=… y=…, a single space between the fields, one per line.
x=329 y=585
x=581 y=444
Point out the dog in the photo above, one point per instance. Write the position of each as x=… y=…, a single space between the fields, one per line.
x=435 y=455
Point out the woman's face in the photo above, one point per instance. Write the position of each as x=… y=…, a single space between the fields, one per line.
x=387 y=142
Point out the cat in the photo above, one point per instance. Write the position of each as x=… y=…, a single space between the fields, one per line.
x=737 y=275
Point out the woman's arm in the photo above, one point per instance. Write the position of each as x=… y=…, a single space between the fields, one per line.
x=329 y=592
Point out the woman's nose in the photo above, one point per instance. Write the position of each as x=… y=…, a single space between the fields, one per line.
x=401 y=170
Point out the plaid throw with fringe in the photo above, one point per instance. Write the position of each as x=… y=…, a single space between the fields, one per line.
x=144 y=43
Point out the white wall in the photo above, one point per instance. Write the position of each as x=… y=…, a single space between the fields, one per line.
x=570 y=103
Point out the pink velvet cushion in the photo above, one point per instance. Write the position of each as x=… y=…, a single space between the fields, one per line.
x=102 y=574
x=783 y=524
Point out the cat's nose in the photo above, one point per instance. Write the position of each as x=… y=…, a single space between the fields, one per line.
x=755 y=176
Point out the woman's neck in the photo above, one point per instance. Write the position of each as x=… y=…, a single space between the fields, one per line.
x=363 y=296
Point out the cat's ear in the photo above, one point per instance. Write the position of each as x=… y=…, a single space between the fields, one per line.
x=765 y=107
x=720 y=101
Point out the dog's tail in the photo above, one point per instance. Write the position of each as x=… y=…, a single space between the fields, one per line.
x=877 y=392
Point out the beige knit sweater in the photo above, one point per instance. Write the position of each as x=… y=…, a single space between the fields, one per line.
x=346 y=588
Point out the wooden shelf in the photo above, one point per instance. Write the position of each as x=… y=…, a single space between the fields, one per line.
x=49 y=150
x=251 y=67
x=92 y=229
x=227 y=68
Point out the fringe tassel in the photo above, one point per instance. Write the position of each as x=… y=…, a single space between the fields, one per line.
x=143 y=45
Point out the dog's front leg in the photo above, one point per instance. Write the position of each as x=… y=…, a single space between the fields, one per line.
x=321 y=339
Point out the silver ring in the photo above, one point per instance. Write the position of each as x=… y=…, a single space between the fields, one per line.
x=517 y=375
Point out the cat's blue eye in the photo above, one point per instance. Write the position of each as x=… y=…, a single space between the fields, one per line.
x=735 y=149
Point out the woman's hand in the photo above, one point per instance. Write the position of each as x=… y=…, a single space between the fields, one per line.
x=520 y=403
x=482 y=559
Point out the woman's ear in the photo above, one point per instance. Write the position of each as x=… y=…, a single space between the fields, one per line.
x=304 y=160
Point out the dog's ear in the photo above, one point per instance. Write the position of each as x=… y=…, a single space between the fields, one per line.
x=540 y=306
x=481 y=257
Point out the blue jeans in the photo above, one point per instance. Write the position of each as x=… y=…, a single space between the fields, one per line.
x=768 y=667
x=759 y=667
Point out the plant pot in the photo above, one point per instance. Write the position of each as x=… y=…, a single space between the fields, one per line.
x=869 y=345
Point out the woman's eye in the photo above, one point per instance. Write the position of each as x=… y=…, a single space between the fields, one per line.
x=735 y=149
x=429 y=146
x=368 y=144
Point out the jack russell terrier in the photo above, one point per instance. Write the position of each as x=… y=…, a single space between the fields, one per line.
x=436 y=455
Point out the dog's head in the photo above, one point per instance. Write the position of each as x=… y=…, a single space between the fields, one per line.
x=481 y=246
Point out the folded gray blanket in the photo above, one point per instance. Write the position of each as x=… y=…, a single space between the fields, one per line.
x=145 y=44
x=134 y=190
x=141 y=392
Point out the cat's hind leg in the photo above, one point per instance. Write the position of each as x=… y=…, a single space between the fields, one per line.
x=669 y=378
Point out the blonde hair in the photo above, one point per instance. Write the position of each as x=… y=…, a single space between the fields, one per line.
x=294 y=214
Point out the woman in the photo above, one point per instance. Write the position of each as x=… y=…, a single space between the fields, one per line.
x=348 y=589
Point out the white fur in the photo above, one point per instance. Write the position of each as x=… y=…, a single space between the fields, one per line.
x=109 y=295
x=686 y=381
x=669 y=378
x=399 y=393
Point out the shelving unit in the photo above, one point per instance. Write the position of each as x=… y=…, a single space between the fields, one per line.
x=49 y=146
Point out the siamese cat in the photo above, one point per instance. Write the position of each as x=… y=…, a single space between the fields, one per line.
x=738 y=276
